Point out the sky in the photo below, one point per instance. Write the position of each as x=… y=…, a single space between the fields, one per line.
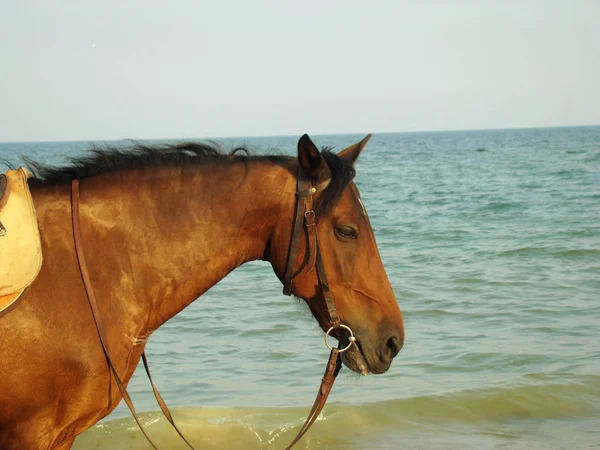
x=149 y=69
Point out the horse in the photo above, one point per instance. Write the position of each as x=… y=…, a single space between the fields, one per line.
x=160 y=226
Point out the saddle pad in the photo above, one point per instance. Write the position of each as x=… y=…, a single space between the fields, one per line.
x=20 y=246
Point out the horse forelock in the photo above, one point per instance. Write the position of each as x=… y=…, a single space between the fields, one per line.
x=342 y=174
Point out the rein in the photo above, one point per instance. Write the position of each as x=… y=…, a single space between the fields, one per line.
x=96 y=315
x=305 y=218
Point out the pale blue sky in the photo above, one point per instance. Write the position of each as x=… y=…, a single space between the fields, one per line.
x=107 y=69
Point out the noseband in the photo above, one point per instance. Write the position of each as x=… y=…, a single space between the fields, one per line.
x=305 y=218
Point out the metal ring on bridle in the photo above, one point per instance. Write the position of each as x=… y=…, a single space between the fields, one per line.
x=352 y=339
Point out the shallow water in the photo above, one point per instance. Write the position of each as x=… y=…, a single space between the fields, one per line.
x=491 y=240
x=528 y=414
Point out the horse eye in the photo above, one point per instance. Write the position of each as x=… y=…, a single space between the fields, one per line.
x=347 y=232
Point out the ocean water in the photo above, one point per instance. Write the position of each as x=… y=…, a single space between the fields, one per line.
x=491 y=240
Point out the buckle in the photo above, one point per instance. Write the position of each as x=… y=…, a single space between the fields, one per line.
x=309 y=218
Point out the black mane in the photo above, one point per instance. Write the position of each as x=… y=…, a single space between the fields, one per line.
x=107 y=159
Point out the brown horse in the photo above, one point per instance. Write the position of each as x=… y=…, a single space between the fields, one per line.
x=160 y=226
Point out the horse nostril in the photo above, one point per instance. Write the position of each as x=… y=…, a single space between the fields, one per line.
x=394 y=345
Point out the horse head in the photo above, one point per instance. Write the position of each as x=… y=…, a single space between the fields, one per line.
x=362 y=293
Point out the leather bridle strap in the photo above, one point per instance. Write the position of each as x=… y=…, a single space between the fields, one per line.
x=306 y=216
x=334 y=319
x=99 y=327
x=334 y=364
x=161 y=402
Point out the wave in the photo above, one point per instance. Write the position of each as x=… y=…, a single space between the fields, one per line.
x=538 y=397
x=535 y=251
x=499 y=206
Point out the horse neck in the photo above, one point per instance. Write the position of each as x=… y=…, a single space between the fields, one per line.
x=183 y=230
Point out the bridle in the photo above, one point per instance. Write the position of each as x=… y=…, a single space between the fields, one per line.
x=304 y=218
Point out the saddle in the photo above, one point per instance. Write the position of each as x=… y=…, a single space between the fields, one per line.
x=20 y=246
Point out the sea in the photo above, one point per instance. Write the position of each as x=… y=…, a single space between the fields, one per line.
x=491 y=241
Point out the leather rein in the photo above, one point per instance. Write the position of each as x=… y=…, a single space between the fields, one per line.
x=304 y=218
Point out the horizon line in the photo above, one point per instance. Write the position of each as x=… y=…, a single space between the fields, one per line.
x=293 y=135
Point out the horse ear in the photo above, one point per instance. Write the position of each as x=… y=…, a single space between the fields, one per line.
x=350 y=154
x=310 y=159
